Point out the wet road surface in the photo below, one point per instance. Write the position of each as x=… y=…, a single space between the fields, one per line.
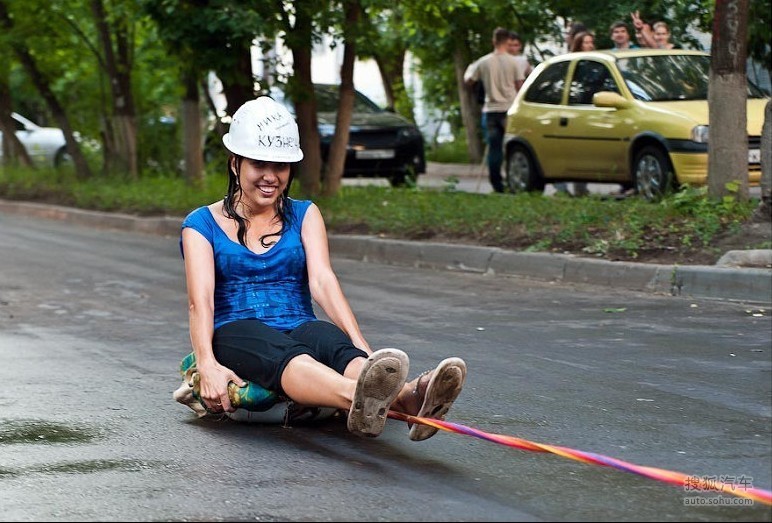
x=93 y=325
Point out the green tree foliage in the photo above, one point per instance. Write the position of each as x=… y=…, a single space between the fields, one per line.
x=62 y=37
x=62 y=56
x=442 y=37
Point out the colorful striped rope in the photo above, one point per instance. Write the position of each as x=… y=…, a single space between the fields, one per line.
x=667 y=476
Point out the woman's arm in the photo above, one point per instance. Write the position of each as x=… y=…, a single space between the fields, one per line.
x=199 y=275
x=325 y=288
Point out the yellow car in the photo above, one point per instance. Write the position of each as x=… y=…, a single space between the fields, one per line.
x=638 y=118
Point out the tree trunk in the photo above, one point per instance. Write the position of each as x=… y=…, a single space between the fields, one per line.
x=219 y=126
x=301 y=88
x=764 y=210
x=470 y=112
x=388 y=77
x=118 y=63
x=82 y=169
x=392 y=69
x=727 y=101
x=336 y=160
x=238 y=85
x=14 y=152
x=191 y=123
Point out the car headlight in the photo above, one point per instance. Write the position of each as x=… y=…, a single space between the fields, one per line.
x=408 y=132
x=700 y=134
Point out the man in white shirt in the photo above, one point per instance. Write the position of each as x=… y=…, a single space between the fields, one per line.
x=502 y=77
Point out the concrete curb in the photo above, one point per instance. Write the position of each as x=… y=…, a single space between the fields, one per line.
x=728 y=282
x=732 y=283
x=157 y=225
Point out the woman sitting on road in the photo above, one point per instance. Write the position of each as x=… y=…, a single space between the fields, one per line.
x=253 y=263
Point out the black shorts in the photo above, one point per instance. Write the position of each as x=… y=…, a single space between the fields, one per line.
x=259 y=353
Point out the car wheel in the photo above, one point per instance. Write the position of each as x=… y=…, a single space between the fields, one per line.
x=521 y=174
x=62 y=157
x=403 y=179
x=652 y=173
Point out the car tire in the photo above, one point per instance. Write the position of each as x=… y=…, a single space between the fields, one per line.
x=522 y=174
x=403 y=179
x=62 y=157
x=652 y=173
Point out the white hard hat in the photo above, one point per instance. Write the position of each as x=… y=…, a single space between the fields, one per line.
x=263 y=129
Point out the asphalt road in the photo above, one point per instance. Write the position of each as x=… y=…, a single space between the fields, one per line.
x=93 y=326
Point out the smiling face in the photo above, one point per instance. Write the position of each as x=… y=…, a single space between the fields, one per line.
x=661 y=35
x=588 y=43
x=261 y=182
x=620 y=36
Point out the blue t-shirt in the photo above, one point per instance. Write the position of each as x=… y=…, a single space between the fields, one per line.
x=271 y=287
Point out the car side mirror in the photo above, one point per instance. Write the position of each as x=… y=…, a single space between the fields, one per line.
x=609 y=99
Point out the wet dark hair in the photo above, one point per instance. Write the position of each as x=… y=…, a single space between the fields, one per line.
x=233 y=197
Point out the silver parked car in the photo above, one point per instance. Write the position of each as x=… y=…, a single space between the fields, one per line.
x=45 y=145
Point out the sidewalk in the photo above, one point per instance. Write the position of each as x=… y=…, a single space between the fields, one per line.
x=467 y=178
x=474 y=178
x=462 y=170
x=734 y=281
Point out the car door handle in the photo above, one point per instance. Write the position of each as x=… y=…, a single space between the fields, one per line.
x=563 y=121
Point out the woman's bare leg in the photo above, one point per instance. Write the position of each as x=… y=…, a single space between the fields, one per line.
x=412 y=396
x=308 y=382
x=379 y=379
x=354 y=368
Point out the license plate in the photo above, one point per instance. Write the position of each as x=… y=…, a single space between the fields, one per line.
x=754 y=156
x=375 y=154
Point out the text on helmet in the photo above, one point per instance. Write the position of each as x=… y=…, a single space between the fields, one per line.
x=269 y=119
x=277 y=141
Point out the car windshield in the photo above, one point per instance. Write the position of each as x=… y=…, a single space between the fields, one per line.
x=663 y=78
x=327 y=100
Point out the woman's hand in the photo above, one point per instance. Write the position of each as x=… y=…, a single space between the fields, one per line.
x=214 y=381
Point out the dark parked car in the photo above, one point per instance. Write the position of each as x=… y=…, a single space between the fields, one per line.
x=381 y=143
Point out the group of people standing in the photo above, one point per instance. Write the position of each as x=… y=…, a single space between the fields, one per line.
x=500 y=75
x=656 y=36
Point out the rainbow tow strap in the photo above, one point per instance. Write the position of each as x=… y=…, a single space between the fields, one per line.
x=666 y=476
